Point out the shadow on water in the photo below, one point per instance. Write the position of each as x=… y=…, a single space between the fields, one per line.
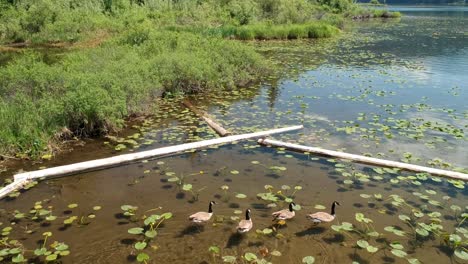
x=234 y=240
x=315 y=230
x=387 y=259
x=355 y=257
x=336 y=238
x=131 y=258
x=128 y=241
x=191 y=230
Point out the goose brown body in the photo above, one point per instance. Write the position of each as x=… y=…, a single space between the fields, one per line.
x=246 y=224
x=201 y=217
x=285 y=213
x=323 y=216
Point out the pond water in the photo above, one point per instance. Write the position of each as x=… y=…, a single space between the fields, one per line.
x=390 y=89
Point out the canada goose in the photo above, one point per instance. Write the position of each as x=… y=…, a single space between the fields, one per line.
x=201 y=217
x=285 y=213
x=322 y=216
x=245 y=225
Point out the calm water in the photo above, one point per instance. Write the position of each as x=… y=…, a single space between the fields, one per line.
x=395 y=90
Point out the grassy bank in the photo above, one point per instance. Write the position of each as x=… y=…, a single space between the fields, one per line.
x=127 y=52
x=92 y=91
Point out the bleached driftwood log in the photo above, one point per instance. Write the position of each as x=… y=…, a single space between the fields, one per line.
x=364 y=159
x=13 y=187
x=21 y=178
x=215 y=126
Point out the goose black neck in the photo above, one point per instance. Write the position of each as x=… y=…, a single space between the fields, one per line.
x=333 y=209
x=210 y=210
x=247 y=215
x=291 y=207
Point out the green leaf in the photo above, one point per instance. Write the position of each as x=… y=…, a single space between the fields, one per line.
x=362 y=243
x=173 y=179
x=14 y=251
x=346 y=226
x=51 y=218
x=267 y=231
x=455 y=238
x=71 y=206
x=40 y=251
x=214 y=249
x=187 y=187
x=229 y=259
x=399 y=253
x=51 y=257
x=422 y=232
x=120 y=147
x=140 y=245
x=241 y=196
x=337 y=228
x=61 y=247
x=167 y=215
x=135 y=230
x=18 y=258
x=404 y=217
x=461 y=253
x=250 y=256
x=151 y=234
x=141 y=257
x=359 y=217
x=396 y=245
x=276 y=253
x=127 y=207
x=64 y=253
x=308 y=260
x=348 y=182
x=414 y=261
x=372 y=249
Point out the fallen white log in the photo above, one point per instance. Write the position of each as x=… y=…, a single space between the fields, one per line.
x=13 y=187
x=364 y=159
x=123 y=159
x=215 y=126
x=22 y=179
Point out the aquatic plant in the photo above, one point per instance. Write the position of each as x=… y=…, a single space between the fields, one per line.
x=148 y=231
x=15 y=251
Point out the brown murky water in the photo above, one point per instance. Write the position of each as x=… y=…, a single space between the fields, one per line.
x=328 y=89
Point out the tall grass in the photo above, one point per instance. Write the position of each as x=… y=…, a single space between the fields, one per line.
x=290 y=31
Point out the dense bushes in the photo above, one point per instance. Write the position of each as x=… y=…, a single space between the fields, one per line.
x=92 y=91
x=50 y=20
x=46 y=21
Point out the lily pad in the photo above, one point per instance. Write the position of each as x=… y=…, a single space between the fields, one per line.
x=308 y=260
